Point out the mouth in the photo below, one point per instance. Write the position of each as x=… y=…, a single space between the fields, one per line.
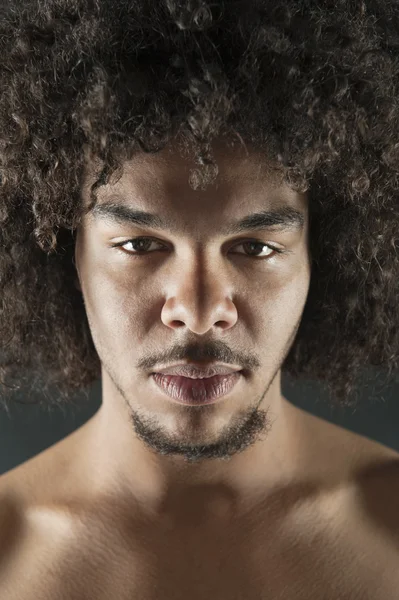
x=197 y=370
x=196 y=391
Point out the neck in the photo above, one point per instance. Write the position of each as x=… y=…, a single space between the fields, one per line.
x=118 y=464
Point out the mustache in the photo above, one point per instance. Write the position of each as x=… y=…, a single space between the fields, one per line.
x=216 y=351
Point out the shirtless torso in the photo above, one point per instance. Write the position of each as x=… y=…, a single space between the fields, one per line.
x=329 y=541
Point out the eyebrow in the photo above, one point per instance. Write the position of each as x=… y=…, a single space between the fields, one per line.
x=284 y=218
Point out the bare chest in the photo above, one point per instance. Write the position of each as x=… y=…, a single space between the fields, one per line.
x=308 y=557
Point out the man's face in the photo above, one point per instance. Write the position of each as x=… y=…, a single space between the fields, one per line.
x=194 y=292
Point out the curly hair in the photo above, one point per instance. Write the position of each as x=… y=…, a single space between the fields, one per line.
x=312 y=84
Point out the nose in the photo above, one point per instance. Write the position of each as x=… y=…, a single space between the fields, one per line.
x=201 y=298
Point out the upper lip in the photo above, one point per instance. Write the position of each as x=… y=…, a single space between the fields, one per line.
x=197 y=371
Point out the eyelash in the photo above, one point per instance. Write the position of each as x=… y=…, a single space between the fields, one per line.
x=143 y=253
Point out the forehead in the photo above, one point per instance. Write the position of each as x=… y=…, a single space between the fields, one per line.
x=161 y=179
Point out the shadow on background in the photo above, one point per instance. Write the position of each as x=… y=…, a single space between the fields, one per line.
x=26 y=430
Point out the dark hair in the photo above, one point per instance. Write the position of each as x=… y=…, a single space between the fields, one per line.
x=312 y=84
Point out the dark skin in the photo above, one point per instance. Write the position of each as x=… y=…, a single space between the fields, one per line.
x=202 y=297
x=250 y=497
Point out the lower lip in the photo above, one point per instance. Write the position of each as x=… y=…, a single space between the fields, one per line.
x=195 y=392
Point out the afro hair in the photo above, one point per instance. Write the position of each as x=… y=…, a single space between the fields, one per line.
x=313 y=84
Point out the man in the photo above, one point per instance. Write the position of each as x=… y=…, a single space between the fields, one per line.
x=196 y=477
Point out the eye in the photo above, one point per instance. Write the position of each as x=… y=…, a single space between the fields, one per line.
x=255 y=246
x=143 y=244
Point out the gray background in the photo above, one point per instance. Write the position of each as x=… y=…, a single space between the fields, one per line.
x=26 y=430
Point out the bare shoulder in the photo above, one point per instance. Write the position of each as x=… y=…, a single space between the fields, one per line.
x=36 y=518
x=10 y=522
x=351 y=454
x=16 y=487
x=48 y=474
x=29 y=481
x=12 y=519
x=36 y=487
x=365 y=467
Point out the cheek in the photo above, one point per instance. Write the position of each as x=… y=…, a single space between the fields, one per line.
x=277 y=305
x=292 y=299
x=116 y=311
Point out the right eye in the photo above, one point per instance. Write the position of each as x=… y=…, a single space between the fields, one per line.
x=141 y=244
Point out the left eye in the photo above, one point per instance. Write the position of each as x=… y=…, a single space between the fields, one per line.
x=142 y=246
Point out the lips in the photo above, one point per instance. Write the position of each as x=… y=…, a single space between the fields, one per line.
x=197 y=371
x=185 y=390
